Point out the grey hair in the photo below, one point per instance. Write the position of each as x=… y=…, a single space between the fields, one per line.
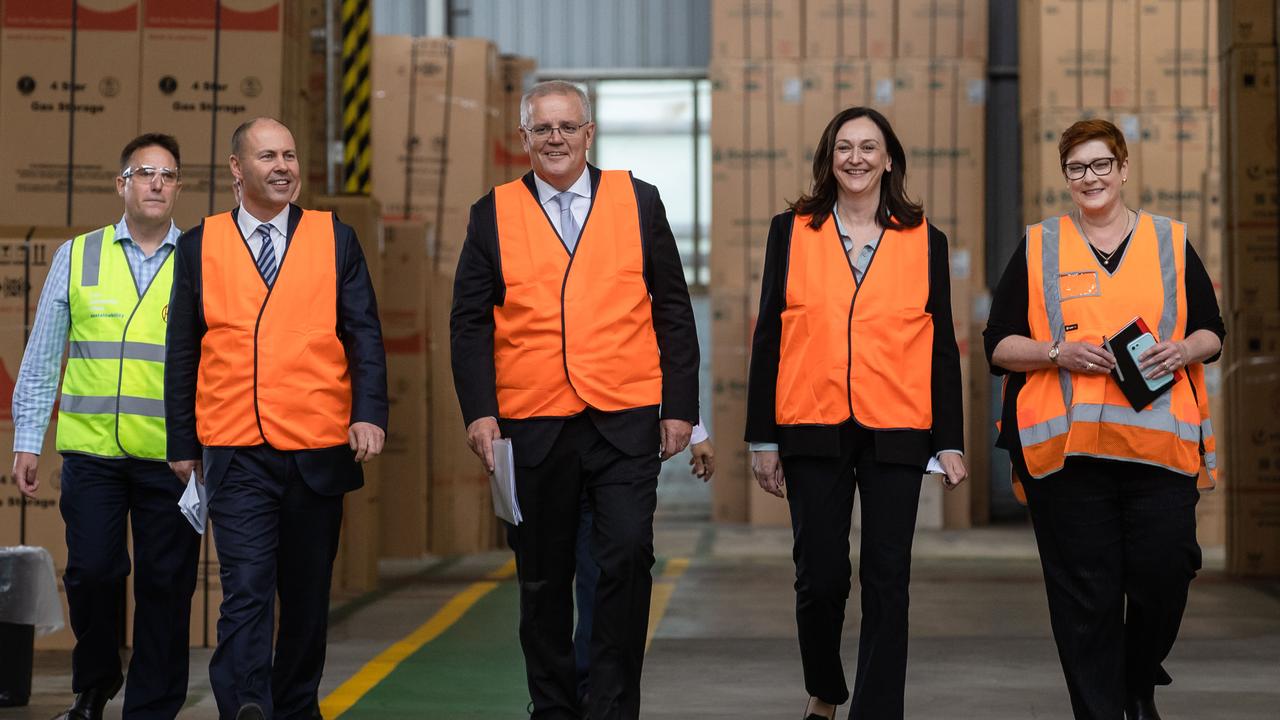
x=553 y=87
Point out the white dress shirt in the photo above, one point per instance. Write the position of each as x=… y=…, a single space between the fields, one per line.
x=279 y=232
x=580 y=206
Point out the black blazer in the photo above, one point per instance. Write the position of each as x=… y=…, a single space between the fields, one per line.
x=910 y=447
x=328 y=471
x=479 y=287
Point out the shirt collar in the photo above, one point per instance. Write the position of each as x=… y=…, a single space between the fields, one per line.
x=249 y=224
x=122 y=232
x=580 y=187
x=844 y=235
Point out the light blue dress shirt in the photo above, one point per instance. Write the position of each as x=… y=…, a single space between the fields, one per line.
x=279 y=231
x=37 y=384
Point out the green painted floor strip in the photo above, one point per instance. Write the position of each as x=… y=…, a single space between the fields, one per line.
x=473 y=670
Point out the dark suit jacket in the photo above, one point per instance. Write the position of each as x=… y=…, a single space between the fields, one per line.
x=910 y=447
x=328 y=471
x=479 y=287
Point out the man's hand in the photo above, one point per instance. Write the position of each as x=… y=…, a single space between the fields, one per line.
x=703 y=460
x=954 y=469
x=675 y=437
x=366 y=439
x=183 y=469
x=24 y=472
x=480 y=436
x=766 y=465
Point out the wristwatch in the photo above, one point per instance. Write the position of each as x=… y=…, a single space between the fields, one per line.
x=1053 y=353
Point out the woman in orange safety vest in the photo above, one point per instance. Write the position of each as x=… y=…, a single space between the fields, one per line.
x=854 y=383
x=1112 y=490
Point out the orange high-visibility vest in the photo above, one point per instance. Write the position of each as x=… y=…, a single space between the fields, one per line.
x=272 y=369
x=1073 y=298
x=861 y=351
x=575 y=330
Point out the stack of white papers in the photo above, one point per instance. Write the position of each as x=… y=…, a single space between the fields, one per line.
x=194 y=504
x=502 y=482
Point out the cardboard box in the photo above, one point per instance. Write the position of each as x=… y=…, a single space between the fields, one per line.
x=406 y=328
x=1246 y=23
x=1251 y=210
x=68 y=105
x=356 y=567
x=431 y=116
x=207 y=67
x=937 y=29
x=1177 y=149
x=757 y=29
x=1078 y=54
x=507 y=158
x=1176 y=49
x=1253 y=477
x=846 y=29
x=732 y=326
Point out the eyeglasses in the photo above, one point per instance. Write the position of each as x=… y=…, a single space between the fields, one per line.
x=148 y=174
x=543 y=132
x=1100 y=167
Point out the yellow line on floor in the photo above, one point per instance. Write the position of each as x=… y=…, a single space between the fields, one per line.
x=349 y=693
x=663 y=588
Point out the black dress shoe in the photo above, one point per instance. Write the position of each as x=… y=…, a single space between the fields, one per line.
x=88 y=704
x=1141 y=708
x=251 y=711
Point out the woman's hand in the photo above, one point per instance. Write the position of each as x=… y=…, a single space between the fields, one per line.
x=1164 y=358
x=766 y=465
x=1085 y=358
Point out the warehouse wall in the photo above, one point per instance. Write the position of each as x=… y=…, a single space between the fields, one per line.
x=606 y=35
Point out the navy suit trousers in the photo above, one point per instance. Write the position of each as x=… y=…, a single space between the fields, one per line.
x=99 y=496
x=274 y=535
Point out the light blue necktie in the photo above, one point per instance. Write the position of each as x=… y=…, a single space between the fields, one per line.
x=267 y=255
x=568 y=226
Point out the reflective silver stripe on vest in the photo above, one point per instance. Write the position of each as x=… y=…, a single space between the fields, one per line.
x=1211 y=460
x=1050 y=267
x=1147 y=420
x=1044 y=431
x=105 y=350
x=1206 y=428
x=1169 y=279
x=106 y=404
x=92 y=263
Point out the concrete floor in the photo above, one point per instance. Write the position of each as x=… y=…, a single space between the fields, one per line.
x=726 y=648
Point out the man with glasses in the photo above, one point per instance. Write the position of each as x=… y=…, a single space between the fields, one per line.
x=107 y=297
x=573 y=337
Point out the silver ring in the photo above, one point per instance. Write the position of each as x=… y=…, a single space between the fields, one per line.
x=1168 y=365
x=1088 y=365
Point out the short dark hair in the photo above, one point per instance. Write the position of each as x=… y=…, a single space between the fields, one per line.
x=1082 y=131
x=237 y=137
x=896 y=210
x=168 y=142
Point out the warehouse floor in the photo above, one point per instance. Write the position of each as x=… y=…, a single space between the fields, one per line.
x=723 y=641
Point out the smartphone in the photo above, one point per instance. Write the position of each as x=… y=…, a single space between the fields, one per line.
x=1136 y=347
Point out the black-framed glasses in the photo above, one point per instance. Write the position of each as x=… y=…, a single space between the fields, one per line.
x=543 y=132
x=1100 y=167
x=149 y=173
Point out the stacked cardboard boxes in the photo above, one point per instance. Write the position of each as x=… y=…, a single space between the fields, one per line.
x=779 y=73
x=81 y=79
x=1149 y=66
x=1251 y=228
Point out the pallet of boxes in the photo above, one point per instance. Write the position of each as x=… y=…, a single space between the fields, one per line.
x=1251 y=225
x=779 y=72
x=1150 y=67
x=444 y=114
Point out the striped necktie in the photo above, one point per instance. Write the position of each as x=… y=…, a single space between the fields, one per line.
x=267 y=256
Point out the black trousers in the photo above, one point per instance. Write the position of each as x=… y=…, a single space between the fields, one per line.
x=820 y=492
x=622 y=492
x=98 y=497
x=1118 y=547
x=274 y=535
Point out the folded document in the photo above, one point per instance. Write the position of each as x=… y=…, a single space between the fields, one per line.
x=502 y=481
x=194 y=504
